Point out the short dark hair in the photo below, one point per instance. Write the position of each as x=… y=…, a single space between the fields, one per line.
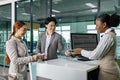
x=49 y=19
x=111 y=21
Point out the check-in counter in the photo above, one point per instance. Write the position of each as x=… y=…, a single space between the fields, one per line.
x=64 y=69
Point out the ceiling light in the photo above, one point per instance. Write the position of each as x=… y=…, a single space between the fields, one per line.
x=90 y=5
x=17 y=6
x=56 y=11
x=53 y=15
x=25 y=14
x=8 y=17
x=27 y=1
x=94 y=10
x=56 y=1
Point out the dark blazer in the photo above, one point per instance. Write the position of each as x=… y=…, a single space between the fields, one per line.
x=55 y=44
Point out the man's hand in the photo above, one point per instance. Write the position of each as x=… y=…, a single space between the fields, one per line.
x=41 y=56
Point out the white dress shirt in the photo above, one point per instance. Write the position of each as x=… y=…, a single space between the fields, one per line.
x=104 y=45
x=48 y=38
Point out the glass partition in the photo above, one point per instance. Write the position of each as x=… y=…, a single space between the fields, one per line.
x=74 y=16
x=5 y=28
x=40 y=11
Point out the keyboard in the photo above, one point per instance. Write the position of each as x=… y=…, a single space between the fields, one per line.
x=80 y=57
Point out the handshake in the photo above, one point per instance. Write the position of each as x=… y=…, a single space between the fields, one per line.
x=38 y=56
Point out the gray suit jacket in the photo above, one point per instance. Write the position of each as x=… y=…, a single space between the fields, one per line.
x=55 y=44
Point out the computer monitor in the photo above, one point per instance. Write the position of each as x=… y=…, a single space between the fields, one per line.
x=86 y=41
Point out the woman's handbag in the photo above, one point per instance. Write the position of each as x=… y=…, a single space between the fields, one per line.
x=7 y=59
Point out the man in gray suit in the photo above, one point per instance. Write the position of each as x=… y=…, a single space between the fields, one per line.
x=50 y=41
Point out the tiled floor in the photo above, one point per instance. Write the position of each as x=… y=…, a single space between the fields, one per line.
x=1 y=72
x=6 y=70
x=1 y=69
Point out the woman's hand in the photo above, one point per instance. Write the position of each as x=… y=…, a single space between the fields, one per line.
x=38 y=56
x=35 y=57
x=41 y=56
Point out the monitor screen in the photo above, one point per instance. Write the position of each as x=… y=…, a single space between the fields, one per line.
x=84 y=40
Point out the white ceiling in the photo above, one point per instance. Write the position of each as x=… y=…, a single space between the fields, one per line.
x=3 y=2
x=65 y=8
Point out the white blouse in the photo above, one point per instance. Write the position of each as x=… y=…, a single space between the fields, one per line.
x=104 y=45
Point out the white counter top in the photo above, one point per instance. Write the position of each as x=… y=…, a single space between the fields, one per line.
x=58 y=69
x=74 y=64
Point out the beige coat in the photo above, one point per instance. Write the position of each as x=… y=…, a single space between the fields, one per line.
x=17 y=51
x=105 y=52
x=109 y=69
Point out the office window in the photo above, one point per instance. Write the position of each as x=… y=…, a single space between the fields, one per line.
x=5 y=28
x=91 y=29
x=65 y=32
x=117 y=30
x=75 y=16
